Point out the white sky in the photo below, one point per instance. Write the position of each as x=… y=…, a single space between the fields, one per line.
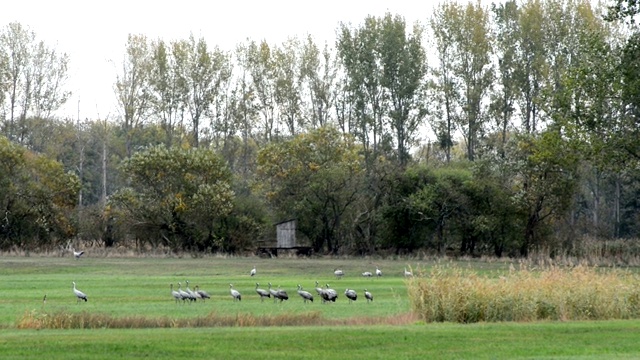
x=94 y=33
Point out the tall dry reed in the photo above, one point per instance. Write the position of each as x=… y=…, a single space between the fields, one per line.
x=576 y=293
x=85 y=320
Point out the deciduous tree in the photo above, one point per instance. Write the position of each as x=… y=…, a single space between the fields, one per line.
x=314 y=177
x=176 y=196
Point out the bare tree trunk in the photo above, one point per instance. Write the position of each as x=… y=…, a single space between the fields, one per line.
x=596 y=200
x=616 y=208
x=103 y=197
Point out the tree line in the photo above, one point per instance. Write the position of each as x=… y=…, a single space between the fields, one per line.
x=532 y=107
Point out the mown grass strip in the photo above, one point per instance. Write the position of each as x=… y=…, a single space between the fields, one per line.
x=544 y=340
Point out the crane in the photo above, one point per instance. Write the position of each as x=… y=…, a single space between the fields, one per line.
x=351 y=295
x=183 y=294
x=253 y=271
x=367 y=274
x=407 y=273
x=235 y=293
x=176 y=295
x=323 y=294
x=79 y=294
x=262 y=292
x=338 y=273
x=203 y=294
x=273 y=293
x=330 y=294
x=378 y=272
x=281 y=294
x=77 y=254
x=368 y=295
x=304 y=294
x=192 y=295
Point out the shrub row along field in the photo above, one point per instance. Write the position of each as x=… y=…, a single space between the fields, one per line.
x=453 y=294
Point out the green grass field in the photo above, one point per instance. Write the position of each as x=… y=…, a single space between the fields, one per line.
x=139 y=288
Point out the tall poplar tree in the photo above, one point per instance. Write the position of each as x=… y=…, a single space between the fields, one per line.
x=131 y=87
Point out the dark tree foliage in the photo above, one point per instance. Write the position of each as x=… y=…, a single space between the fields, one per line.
x=176 y=197
x=538 y=158
x=460 y=209
x=623 y=10
x=36 y=199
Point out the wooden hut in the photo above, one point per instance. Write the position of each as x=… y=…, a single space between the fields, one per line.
x=286 y=234
x=285 y=241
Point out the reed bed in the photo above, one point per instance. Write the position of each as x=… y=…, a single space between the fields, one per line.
x=452 y=294
x=85 y=320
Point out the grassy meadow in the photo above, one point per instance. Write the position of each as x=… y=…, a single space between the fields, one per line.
x=123 y=287
x=131 y=313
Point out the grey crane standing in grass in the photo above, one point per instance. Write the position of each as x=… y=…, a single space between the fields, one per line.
x=367 y=274
x=235 y=293
x=378 y=272
x=192 y=295
x=176 y=295
x=262 y=292
x=323 y=294
x=253 y=271
x=273 y=293
x=79 y=294
x=351 y=295
x=281 y=294
x=203 y=294
x=338 y=273
x=368 y=295
x=183 y=294
x=77 y=254
x=330 y=294
x=306 y=296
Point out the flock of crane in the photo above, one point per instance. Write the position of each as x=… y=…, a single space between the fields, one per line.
x=326 y=293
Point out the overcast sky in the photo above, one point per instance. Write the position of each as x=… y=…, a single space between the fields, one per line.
x=94 y=33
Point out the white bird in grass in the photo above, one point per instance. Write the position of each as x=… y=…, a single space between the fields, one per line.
x=262 y=292
x=378 y=272
x=235 y=293
x=351 y=295
x=304 y=294
x=79 y=294
x=77 y=254
x=176 y=295
x=338 y=273
x=253 y=271
x=368 y=295
x=367 y=274
x=203 y=294
x=407 y=273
